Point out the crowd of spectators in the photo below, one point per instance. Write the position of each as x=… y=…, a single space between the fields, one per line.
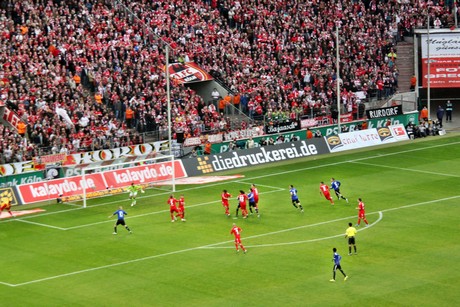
x=87 y=75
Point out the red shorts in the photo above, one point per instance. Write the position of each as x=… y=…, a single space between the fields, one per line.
x=172 y=210
x=361 y=214
x=327 y=195
x=237 y=239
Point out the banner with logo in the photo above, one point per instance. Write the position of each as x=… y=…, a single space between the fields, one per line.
x=444 y=57
x=404 y=119
x=11 y=194
x=187 y=73
x=384 y=112
x=281 y=127
x=256 y=156
x=49 y=159
x=14 y=180
x=97 y=184
x=83 y=159
x=366 y=138
x=288 y=137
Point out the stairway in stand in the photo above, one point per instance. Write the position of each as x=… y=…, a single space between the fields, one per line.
x=405 y=64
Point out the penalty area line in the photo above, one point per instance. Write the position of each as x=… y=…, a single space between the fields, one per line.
x=39 y=224
x=299 y=242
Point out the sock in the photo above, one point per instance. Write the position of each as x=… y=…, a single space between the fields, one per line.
x=300 y=206
x=115 y=229
x=349 y=249
x=355 y=250
x=127 y=228
x=295 y=205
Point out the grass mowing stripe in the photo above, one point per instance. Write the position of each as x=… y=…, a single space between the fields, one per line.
x=406 y=169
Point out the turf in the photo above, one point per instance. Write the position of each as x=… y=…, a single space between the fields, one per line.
x=67 y=256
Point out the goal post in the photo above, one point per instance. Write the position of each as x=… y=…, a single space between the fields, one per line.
x=158 y=173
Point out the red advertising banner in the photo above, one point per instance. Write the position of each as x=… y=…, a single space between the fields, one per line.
x=98 y=183
x=444 y=72
x=49 y=159
x=442 y=51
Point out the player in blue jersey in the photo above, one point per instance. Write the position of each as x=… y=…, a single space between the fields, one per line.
x=336 y=258
x=294 y=198
x=335 y=185
x=120 y=213
x=252 y=202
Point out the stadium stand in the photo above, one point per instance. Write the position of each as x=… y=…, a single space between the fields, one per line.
x=84 y=75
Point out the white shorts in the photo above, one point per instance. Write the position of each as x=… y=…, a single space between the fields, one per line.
x=132 y=194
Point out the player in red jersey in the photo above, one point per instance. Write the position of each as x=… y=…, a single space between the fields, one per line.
x=181 y=208
x=361 y=212
x=242 y=199
x=324 y=190
x=256 y=194
x=172 y=207
x=5 y=205
x=236 y=231
x=225 y=197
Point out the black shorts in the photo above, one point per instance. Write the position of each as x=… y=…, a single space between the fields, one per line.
x=337 y=192
x=297 y=201
x=351 y=240
x=121 y=222
x=252 y=204
x=337 y=267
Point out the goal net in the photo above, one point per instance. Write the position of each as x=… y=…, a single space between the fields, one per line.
x=154 y=175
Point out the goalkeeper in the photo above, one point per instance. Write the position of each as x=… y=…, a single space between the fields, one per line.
x=133 y=189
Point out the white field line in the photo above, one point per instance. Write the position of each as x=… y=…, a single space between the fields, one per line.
x=249 y=179
x=300 y=227
x=407 y=169
x=39 y=224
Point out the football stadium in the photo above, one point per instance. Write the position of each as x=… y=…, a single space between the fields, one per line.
x=229 y=153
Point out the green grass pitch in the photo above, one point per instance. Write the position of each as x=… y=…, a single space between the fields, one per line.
x=409 y=256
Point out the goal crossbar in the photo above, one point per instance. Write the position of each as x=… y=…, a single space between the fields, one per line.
x=163 y=165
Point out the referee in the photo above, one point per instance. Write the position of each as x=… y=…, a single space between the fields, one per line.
x=350 y=233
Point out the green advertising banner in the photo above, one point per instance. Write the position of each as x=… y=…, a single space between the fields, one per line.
x=403 y=119
x=14 y=180
x=297 y=135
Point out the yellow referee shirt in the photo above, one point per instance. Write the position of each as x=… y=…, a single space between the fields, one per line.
x=351 y=231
